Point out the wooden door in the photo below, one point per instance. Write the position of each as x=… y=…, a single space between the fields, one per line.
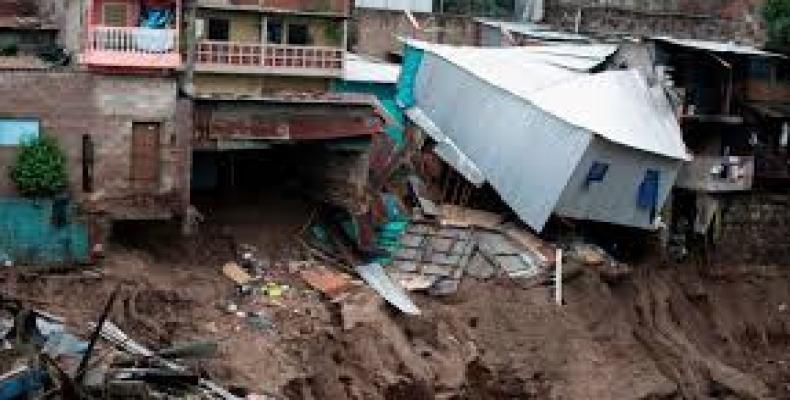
x=145 y=155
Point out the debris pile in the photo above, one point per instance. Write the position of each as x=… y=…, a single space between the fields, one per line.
x=43 y=357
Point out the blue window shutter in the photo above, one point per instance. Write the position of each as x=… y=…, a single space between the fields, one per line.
x=648 y=192
x=596 y=173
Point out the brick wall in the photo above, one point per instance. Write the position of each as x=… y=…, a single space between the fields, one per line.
x=700 y=19
x=72 y=104
x=755 y=228
x=376 y=32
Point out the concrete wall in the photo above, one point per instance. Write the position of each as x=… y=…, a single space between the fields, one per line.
x=72 y=104
x=614 y=200
x=700 y=19
x=257 y=85
x=376 y=31
x=754 y=229
x=245 y=27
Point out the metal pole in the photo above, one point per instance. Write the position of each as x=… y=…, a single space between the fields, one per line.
x=558 y=278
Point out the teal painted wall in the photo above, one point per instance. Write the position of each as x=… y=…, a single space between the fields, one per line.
x=29 y=237
x=386 y=95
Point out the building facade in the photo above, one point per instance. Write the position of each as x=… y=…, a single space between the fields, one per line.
x=101 y=78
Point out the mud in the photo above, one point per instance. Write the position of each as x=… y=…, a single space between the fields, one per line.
x=662 y=333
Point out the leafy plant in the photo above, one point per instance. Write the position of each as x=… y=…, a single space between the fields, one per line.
x=776 y=14
x=40 y=168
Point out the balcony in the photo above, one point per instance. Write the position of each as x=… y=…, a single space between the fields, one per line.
x=326 y=7
x=274 y=59
x=132 y=47
x=136 y=34
x=717 y=174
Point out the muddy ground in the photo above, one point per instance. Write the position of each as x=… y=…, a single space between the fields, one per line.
x=678 y=332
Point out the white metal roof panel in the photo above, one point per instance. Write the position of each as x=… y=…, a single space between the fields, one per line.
x=533 y=30
x=717 y=47
x=616 y=105
x=359 y=69
x=619 y=106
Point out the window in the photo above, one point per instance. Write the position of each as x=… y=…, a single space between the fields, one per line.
x=298 y=34
x=648 y=192
x=15 y=131
x=115 y=14
x=274 y=32
x=596 y=173
x=218 y=29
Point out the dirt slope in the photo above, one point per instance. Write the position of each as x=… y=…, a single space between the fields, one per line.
x=663 y=333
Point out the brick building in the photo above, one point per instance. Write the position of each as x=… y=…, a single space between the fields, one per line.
x=736 y=20
x=107 y=90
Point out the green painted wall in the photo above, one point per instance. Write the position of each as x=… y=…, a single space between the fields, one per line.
x=29 y=236
x=386 y=95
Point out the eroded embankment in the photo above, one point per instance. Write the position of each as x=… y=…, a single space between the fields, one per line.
x=663 y=333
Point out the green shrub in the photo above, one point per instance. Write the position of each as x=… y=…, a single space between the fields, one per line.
x=40 y=168
x=776 y=14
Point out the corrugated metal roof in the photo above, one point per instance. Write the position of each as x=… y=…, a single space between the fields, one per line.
x=359 y=69
x=537 y=31
x=447 y=149
x=616 y=105
x=717 y=47
x=619 y=106
x=538 y=58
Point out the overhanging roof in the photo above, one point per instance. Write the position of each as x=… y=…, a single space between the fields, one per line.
x=716 y=47
x=615 y=105
x=532 y=30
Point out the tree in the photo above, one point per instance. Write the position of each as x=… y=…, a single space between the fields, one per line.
x=776 y=14
x=40 y=168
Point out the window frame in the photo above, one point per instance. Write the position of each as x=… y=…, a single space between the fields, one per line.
x=19 y=138
x=210 y=21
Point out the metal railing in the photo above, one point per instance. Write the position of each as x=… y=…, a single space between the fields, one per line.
x=272 y=57
x=132 y=40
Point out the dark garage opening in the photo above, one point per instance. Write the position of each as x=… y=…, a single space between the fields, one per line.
x=265 y=197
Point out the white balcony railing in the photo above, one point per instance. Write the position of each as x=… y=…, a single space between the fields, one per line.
x=132 y=46
x=270 y=58
x=717 y=174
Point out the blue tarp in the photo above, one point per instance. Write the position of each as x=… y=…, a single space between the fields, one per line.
x=156 y=18
x=153 y=37
x=23 y=385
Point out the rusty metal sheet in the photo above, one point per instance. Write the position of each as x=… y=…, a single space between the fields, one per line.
x=261 y=120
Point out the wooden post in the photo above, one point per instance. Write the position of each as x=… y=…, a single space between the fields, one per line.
x=558 y=279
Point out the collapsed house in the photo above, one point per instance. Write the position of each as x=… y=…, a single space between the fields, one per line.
x=550 y=137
